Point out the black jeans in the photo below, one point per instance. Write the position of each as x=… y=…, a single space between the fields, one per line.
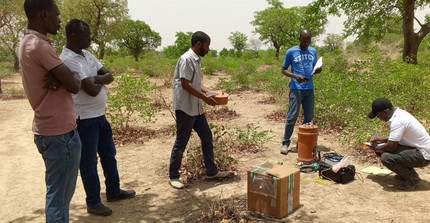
x=184 y=125
x=403 y=160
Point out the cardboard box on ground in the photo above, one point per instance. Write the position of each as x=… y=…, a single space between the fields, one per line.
x=274 y=189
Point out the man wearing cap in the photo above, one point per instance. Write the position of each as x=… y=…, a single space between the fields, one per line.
x=407 y=146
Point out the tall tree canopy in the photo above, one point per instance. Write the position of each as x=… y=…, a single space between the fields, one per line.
x=238 y=40
x=183 y=42
x=139 y=37
x=281 y=26
x=373 y=18
x=105 y=18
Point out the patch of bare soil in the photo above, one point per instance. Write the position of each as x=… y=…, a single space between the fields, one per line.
x=143 y=166
x=278 y=115
x=223 y=113
x=268 y=100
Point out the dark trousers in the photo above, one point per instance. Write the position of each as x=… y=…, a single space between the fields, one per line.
x=96 y=137
x=403 y=160
x=184 y=125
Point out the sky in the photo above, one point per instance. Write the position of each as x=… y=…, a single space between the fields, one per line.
x=217 y=18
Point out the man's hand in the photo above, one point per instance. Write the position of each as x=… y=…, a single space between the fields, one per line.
x=210 y=100
x=51 y=82
x=318 y=70
x=300 y=78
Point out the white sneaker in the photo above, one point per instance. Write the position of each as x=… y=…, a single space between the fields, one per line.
x=176 y=183
x=284 y=149
x=220 y=174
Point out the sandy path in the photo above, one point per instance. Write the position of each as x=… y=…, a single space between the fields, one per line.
x=143 y=167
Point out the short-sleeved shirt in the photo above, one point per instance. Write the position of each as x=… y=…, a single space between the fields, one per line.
x=408 y=131
x=86 y=66
x=188 y=67
x=302 y=62
x=54 y=113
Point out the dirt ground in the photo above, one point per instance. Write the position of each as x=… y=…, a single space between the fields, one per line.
x=143 y=167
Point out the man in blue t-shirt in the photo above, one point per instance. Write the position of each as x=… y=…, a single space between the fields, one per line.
x=302 y=59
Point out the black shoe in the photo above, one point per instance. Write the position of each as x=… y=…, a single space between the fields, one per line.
x=124 y=194
x=399 y=178
x=409 y=184
x=99 y=210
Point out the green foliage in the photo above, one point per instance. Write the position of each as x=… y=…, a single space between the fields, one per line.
x=105 y=17
x=182 y=45
x=238 y=40
x=213 y=53
x=373 y=19
x=280 y=27
x=224 y=53
x=240 y=71
x=271 y=80
x=130 y=101
x=152 y=64
x=12 y=24
x=333 y=41
x=344 y=94
x=183 y=42
x=139 y=38
x=252 y=135
x=171 y=52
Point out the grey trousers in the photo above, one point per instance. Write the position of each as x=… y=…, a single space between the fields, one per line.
x=403 y=160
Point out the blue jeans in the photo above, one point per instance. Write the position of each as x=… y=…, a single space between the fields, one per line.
x=61 y=154
x=96 y=137
x=184 y=126
x=297 y=98
x=403 y=160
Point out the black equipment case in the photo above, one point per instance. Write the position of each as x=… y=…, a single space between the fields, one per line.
x=344 y=175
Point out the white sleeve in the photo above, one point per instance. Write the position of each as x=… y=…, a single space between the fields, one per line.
x=396 y=131
x=96 y=61
x=76 y=67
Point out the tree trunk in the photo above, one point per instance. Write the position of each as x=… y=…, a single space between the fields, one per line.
x=136 y=55
x=1 y=91
x=410 y=48
x=101 y=51
x=16 y=62
x=277 y=47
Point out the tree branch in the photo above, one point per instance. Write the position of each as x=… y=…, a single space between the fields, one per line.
x=416 y=19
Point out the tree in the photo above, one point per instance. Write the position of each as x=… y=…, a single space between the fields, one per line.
x=139 y=37
x=333 y=41
x=238 y=40
x=105 y=18
x=281 y=26
x=182 y=45
x=183 y=42
x=255 y=44
x=372 y=19
x=14 y=24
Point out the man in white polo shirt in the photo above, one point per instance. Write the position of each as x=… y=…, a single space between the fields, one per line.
x=407 y=146
x=94 y=130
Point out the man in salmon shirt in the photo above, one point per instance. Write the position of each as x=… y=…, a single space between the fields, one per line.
x=48 y=84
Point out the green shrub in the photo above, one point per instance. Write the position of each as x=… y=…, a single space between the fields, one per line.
x=343 y=94
x=271 y=80
x=251 y=136
x=130 y=101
